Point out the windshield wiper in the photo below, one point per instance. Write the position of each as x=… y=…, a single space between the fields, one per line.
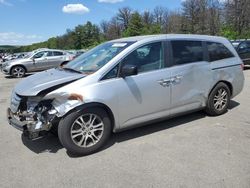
x=70 y=70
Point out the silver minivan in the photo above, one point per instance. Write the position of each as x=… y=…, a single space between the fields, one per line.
x=37 y=60
x=126 y=83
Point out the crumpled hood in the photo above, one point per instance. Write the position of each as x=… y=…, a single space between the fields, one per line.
x=39 y=82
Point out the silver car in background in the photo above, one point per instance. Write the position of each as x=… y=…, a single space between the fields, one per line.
x=37 y=60
x=125 y=83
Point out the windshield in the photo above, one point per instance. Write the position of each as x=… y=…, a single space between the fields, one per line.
x=28 y=55
x=97 y=57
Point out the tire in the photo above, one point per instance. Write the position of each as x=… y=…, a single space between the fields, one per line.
x=218 y=100
x=54 y=130
x=18 y=71
x=64 y=63
x=85 y=138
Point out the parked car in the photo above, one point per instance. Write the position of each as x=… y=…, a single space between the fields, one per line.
x=125 y=83
x=243 y=49
x=36 y=61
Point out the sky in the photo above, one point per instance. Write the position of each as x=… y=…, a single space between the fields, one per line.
x=24 y=22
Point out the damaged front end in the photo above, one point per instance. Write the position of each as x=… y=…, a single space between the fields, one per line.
x=34 y=116
x=31 y=110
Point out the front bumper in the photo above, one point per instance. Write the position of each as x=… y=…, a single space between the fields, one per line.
x=13 y=121
x=27 y=129
x=4 y=70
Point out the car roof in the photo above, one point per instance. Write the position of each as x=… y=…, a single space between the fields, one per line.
x=47 y=49
x=171 y=36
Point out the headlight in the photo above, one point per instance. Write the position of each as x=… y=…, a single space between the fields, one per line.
x=32 y=102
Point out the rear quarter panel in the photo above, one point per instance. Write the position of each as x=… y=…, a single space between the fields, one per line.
x=229 y=70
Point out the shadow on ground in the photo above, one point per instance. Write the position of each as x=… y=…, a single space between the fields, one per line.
x=51 y=144
x=247 y=67
x=11 y=77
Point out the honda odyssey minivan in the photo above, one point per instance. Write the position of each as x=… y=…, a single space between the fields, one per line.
x=125 y=83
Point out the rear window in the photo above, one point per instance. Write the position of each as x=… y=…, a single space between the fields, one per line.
x=187 y=51
x=217 y=51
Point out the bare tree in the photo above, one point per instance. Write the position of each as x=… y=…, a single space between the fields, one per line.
x=190 y=9
x=237 y=13
x=160 y=15
x=214 y=17
x=176 y=23
x=115 y=29
x=147 y=17
x=124 y=16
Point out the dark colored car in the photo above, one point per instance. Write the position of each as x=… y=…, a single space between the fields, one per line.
x=243 y=49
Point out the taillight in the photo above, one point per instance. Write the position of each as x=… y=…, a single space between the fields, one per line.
x=242 y=66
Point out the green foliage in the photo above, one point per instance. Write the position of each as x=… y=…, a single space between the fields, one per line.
x=229 y=32
x=82 y=37
x=151 y=29
x=135 y=26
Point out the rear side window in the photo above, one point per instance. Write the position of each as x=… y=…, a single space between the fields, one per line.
x=187 y=51
x=217 y=51
x=49 y=54
x=56 y=53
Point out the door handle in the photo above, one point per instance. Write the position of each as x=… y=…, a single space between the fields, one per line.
x=165 y=82
x=177 y=79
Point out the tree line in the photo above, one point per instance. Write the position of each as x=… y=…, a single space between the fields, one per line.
x=228 y=18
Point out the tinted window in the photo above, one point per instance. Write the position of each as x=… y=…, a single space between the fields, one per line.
x=49 y=54
x=112 y=74
x=244 y=47
x=56 y=53
x=187 y=51
x=217 y=51
x=39 y=55
x=146 y=58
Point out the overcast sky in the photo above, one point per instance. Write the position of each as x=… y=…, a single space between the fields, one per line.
x=27 y=21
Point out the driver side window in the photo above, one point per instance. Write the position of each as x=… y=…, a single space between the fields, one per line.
x=38 y=55
x=146 y=58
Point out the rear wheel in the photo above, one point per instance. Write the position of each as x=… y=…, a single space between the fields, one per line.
x=18 y=72
x=218 y=100
x=84 y=132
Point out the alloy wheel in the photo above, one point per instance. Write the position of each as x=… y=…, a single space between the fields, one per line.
x=220 y=99
x=18 y=72
x=87 y=130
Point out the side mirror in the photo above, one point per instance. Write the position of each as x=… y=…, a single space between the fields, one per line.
x=128 y=70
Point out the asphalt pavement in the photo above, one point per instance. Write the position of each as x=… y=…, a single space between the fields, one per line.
x=189 y=151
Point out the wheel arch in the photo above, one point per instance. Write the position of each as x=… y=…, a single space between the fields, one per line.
x=230 y=86
x=95 y=105
x=18 y=65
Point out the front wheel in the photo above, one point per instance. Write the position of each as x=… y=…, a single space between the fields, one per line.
x=84 y=132
x=218 y=100
x=18 y=72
